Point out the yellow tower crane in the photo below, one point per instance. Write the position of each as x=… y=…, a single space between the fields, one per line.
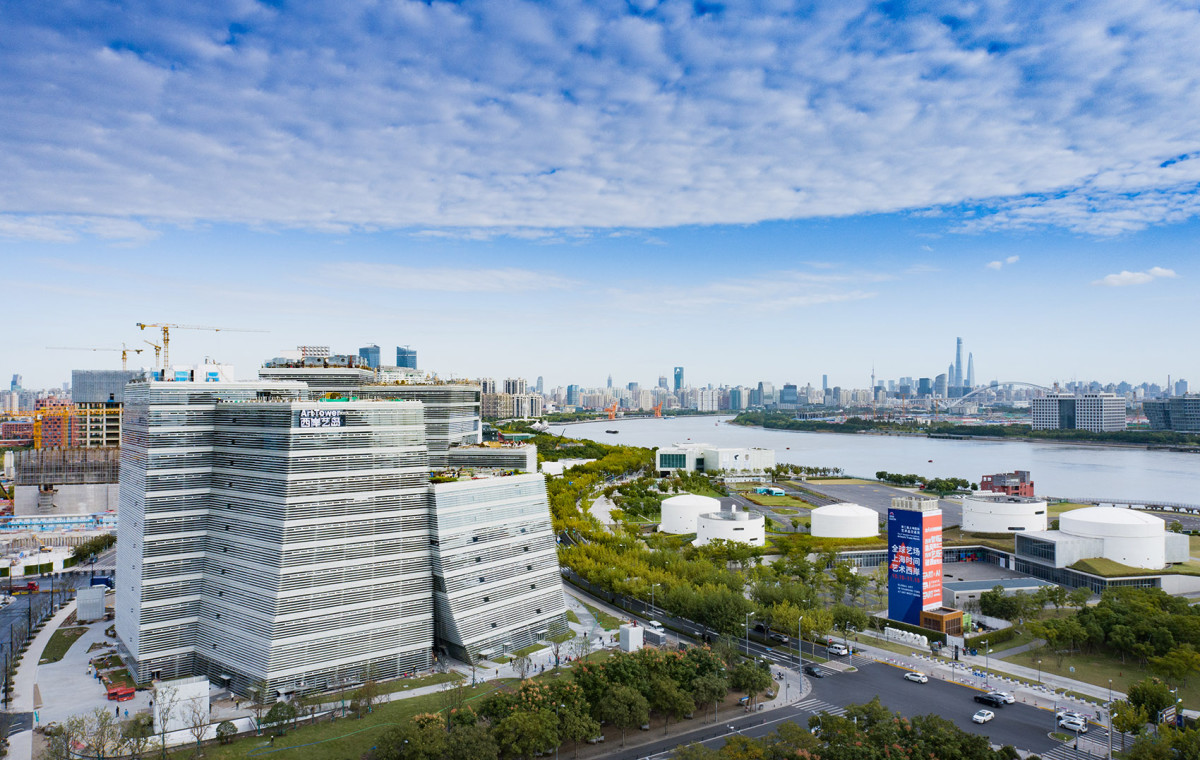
x=157 y=351
x=124 y=350
x=166 y=335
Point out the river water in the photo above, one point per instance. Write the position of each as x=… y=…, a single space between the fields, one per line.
x=1061 y=470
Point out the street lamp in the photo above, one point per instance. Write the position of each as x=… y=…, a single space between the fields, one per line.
x=556 y=746
x=747 y=634
x=987 y=663
x=1111 y=715
x=652 y=585
x=800 y=640
x=1039 y=672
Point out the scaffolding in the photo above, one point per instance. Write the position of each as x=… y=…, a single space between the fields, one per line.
x=45 y=467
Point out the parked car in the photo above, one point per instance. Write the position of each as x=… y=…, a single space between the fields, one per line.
x=1069 y=714
x=991 y=700
x=1008 y=698
x=1073 y=724
x=779 y=638
x=916 y=677
x=596 y=739
x=983 y=716
x=814 y=671
x=760 y=627
x=837 y=649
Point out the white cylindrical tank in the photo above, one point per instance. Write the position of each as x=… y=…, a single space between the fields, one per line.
x=680 y=513
x=1130 y=537
x=746 y=527
x=845 y=521
x=997 y=513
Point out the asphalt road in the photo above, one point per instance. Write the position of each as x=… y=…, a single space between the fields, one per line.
x=1022 y=726
x=879 y=498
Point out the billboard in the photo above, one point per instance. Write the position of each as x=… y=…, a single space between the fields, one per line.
x=905 y=579
x=931 y=559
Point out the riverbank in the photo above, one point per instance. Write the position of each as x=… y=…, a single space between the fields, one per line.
x=1173 y=448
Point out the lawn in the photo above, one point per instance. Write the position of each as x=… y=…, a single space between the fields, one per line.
x=523 y=651
x=562 y=637
x=702 y=491
x=1194 y=545
x=956 y=537
x=1098 y=669
x=571 y=616
x=606 y=621
x=1109 y=569
x=767 y=500
x=60 y=642
x=1054 y=510
x=344 y=738
x=785 y=511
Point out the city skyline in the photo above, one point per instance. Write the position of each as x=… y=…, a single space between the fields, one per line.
x=570 y=190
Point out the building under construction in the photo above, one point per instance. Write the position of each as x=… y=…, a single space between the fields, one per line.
x=66 y=481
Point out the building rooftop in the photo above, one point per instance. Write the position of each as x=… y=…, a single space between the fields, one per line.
x=1111 y=516
x=1009 y=584
x=846 y=509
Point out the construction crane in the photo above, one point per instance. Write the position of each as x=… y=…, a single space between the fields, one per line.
x=166 y=334
x=157 y=351
x=658 y=409
x=612 y=411
x=124 y=350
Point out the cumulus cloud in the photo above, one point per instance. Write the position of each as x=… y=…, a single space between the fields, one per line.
x=573 y=115
x=997 y=265
x=771 y=292
x=1126 y=277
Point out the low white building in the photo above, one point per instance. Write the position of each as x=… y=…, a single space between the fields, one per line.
x=705 y=457
x=744 y=527
x=1127 y=536
x=998 y=513
x=681 y=514
x=845 y=521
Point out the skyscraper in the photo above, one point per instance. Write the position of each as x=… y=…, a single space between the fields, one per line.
x=663 y=382
x=369 y=356
x=610 y=380
x=15 y=385
x=678 y=379
x=539 y=385
x=824 y=382
x=970 y=370
x=958 y=365
x=406 y=357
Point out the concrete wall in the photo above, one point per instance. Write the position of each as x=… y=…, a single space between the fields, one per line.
x=67 y=500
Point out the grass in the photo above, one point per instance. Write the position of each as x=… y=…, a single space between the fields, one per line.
x=572 y=617
x=605 y=620
x=1193 y=544
x=1097 y=669
x=956 y=537
x=785 y=511
x=60 y=642
x=702 y=491
x=121 y=677
x=1110 y=569
x=338 y=740
x=523 y=651
x=562 y=637
x=767 y=500
x=1024 y=637
x=1054 y=510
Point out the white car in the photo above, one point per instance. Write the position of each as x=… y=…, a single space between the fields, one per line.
x=837 y=649
x=1073 y=724
x=1008 y=698
x=1069 y=715
x=916 y=677
x=983 y=716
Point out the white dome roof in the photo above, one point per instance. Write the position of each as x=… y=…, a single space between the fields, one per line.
x=693 y=500
x=1111 y=516
x=846 y=509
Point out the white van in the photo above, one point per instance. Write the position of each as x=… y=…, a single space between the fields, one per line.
x=655 y=626
x=838 y=649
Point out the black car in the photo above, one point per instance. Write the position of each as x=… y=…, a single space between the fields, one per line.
x=814 y=671
x=991 y=700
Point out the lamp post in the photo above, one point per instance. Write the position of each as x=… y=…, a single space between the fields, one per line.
x=652 y=585
x=1039 y=672
x=800 y=640
x=987 y=663
x=747 y=634
x=556 y=718
x=1110 y=721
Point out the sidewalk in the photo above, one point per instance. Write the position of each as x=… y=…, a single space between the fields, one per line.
x=25 y=680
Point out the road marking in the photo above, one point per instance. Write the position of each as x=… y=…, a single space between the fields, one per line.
x=814 y=706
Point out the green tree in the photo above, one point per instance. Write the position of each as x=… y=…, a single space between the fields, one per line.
x=667 y=698
x=525 y=732
x=694 y=752
x=1177 y=665
x=280 y=714
x=421 y=738
x=226 y=730
x=751 y=679
x=623 y=707
x=709 y=689
x=136 y=734
x=1128 y=719
x=1151 y=695
x=471 y=743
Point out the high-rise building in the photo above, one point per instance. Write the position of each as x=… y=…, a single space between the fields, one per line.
x=970 y=370
x=370 y=356
x=572 y=395
x=663 y=383
x=1179 y=413
x=258 y=543
x=678 y=379
x=610 y=381
x=487 y=385
x=15 y=385
x=515 y=385
x=1181 y=387
x=406 y=357
x=958 y=364
x=540 y=388
x=1097 y=412
x=98 y=395
x=940 y=386
x=824 y=382
x=924 y=387
x=766 y=392
x=788 y=394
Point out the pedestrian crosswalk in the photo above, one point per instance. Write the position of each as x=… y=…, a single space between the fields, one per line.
x=816 y=706
x=1088 y=747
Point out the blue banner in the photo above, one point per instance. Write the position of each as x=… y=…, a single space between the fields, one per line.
x=905 y=594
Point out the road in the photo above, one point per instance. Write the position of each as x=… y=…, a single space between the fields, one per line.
x=879 y=498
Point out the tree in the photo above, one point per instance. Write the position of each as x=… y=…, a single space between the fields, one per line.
x=1128 y=719
x=709 y=689
x=60 y=741
x=136 y=734
x=1151 y=695
x=751 y=679
x=523 y=665
x=280 y=714
x=525 y=732
x=421 y=738
x=364 y=697
x=1177 y=665
x=695 y=752
x=167 y=700
x=1079 y=597
x=226 y=731
x=667 y=698
x=103 y=732
x=260 y=692
x=195 y=714
x=576 y=725
x=624 y=707
x=471 y=743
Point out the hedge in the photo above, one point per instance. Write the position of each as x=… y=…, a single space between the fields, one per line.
x=992 y=637
x=70 y=562
x=48 y=567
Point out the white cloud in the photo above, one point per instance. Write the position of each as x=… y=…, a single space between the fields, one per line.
x=1012 y=259
x=518 y=117
x=1126 y=277
x=997 y=265
x=449 y=279
x=771 y=292
x=994 y=264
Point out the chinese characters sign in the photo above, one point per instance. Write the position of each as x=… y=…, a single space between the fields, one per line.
x=914 y=563
x=311 y=418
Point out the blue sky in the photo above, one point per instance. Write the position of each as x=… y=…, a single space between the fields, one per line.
x=767 y=190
